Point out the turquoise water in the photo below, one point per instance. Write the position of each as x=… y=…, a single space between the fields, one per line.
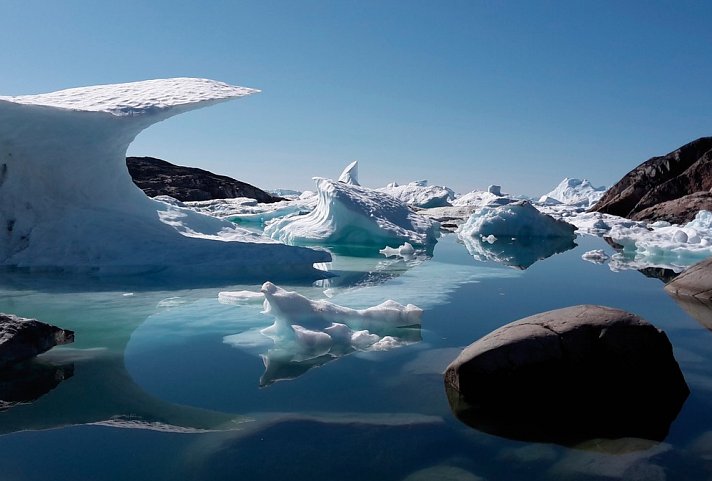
x=171 y=384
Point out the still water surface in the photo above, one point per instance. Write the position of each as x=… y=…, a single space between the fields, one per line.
x=171 y=384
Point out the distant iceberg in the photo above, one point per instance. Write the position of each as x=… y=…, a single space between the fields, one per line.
x=350 y=174
x=573 y=192
x=67 y=201
x=420 y=194
x=348 y=214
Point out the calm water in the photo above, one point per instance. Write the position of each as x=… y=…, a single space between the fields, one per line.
x=171 y=384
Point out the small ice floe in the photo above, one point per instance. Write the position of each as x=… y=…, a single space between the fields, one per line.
x=406 y=251
x=597 y=256
x=240 y=297
x=308 y=333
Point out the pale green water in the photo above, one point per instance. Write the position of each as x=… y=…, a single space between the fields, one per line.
x=157 y=358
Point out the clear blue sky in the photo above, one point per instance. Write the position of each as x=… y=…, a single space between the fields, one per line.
x=462 y=93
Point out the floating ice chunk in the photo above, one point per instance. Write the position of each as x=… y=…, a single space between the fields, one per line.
x=478 y=198
x=420 y=194
x=406 y=251
x=240 y=297
x=350 y=174
x=575 y=192
x=520 y=219
x=354 y=215
x=243 y=210
x=597 y=256
x=309 y=333
x=67 y=201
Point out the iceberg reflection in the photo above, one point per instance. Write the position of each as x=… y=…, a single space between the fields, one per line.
x=520 y=252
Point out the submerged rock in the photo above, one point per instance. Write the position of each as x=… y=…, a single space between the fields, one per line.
x=22 y=338
x=569 y=375
x=659 y=180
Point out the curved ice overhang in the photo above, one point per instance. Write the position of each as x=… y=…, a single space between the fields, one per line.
x=67 y=200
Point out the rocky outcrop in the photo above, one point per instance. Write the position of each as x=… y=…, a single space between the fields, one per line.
x=694 y=282
x=158 y=177
x=22 y=338
x=569 y=375
x=670 y=178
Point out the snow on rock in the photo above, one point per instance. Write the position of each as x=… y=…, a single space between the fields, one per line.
x=354 y=215
x=350 y=174
x=574 y=192
x=308 y=333
x=67 y=201
x=420 y=194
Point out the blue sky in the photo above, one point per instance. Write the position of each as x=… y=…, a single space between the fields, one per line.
x=462 y=93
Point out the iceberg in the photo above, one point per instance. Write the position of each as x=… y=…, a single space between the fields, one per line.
x=420 y=194
x=307 y=333
x=67 y=201
x=574 y=192
x=348 y=214
x=516 y=235
x=350 y=174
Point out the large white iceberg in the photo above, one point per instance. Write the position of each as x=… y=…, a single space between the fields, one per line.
x=348 y=214
x=573 y=192
x=420 y=194
x=67 y=200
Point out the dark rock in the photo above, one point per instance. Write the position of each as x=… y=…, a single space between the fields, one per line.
x=660 y=273
x=27 y=381
x=685 y=171
x=158 y=177
x=569 y=375
x=677 y=211
x=694 y=282
x=22 y=338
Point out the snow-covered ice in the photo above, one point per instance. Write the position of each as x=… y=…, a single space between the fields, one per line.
x=420 y=194
x=242 y=210
x=67 y=200
x=353 y=215
x=574 y=192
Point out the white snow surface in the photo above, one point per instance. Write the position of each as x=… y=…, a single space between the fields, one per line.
x=243 y=210
x=350 y=174
x=67 y=201
x=574 y=192
x=354 y=215
x=479 y=198
x=420 y=194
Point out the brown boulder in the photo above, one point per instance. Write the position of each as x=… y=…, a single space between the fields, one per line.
x=569 y=375
x=694 y=282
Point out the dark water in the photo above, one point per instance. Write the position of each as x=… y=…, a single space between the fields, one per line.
x=171 y=384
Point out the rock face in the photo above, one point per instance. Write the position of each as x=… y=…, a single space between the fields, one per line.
x=22 y=338
x=694 y=282
x=669 y=179
x=569 y=375
x=158 y=177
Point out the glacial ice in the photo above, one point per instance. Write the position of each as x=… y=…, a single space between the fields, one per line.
x=574 y=192
x=242 y=210
x=420 y=194
x=67 y=201
x=516 y=235
x=406 y=251
x=348 y=214
x=596 y=256
x=350 y=174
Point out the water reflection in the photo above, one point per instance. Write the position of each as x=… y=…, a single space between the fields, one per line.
x=26 y=382
x=698 y=309
x=519 y=253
